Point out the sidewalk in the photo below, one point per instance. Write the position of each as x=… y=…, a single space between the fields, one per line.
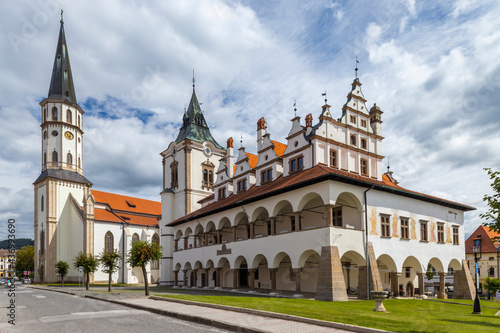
x=225 y=317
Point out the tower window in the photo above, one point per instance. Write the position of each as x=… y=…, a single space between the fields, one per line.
x=363 y=143
x=69 y=116
x=42 y=242
x=78 y=120
x=353 y=139
x=69 y=159
x=44 y=158
x=364 y=167
x=208 y=175
x=174 y=179
x=108 y=242
x=44 y=114
x=363 y=122
x=55 y=158
x=333 y=158
x=54 y=113
x=353 y=119
x=41 y=203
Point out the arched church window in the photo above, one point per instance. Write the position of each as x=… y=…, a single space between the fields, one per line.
x=45 y=135
x=41 y=203
x=69 y=116
x=174 y=175
x=55 y=158
x=42 y=242
x=205 y=175
x=54 y=113
x=156 y=263
x=78 y=120
x=69 y=159
x=491 y=272
x=44 y=158
x=353 y=140
x=135 y=238
x=108 y=242
x=44 y=114
x=211 y=177
x=363 y=143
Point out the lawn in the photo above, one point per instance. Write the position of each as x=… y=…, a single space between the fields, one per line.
x=403 y=315
x=90 y=285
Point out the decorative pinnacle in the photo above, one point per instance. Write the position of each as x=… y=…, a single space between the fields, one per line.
x=295 y=107
x=241 y=140
x=324 y=94
x=62 y=21
x=356 y=69
x=388 y=164
x=194 y=81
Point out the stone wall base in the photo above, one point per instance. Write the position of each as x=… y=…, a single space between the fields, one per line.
x=331 y=284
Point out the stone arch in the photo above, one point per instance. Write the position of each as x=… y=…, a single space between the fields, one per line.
x=178 y=234
x=411 y=266
x=211 y=232
x=309 y=262
x=312 y=211
x=257 y=260
x=278 y=258
x=187 y=265
x=347 y=211
x=222 y=261
x=386 y=266
x=354 y=271
x=178 y=267
x=260 y=218
x=238 y=261
x=241 y=266
x=225 y=231
x=455 y=265
x=209 y=264
x=198 y=265
x=225 y=276
x=242 y=227
x=285 y=277
x=437 y=264
x=280 y=206
x=311 y=200
x=260 y=213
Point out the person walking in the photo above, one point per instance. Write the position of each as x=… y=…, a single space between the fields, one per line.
x=497 y=295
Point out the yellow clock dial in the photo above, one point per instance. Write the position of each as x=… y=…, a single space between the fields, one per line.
x=69 y=135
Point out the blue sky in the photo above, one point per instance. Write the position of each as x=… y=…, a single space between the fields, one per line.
x=432 y=67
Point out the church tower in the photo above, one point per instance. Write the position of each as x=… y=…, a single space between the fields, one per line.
x=61 y=190
x=189 y=171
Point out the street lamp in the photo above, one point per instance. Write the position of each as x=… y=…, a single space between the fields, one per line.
x=497 y=246
x=477 y=249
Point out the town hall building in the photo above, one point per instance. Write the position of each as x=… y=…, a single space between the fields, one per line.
x=315 y=215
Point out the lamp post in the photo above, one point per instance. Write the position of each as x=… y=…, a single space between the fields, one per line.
x=477 y=249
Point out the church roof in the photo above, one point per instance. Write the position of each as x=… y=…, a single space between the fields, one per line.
x=125 y=209
x=61 y=83
x=194 y=127
x=311 y=176
x=71 y=176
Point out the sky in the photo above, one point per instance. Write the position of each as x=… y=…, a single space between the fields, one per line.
x=431 y=66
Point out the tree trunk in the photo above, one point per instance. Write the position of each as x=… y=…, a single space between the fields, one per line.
x=62 y=281
x=145 y=274
x=109 y=282
x=88 y=281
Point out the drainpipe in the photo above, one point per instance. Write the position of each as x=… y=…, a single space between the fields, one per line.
x=366 y=245
x=123 y=253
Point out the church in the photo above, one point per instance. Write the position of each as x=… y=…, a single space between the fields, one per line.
x=313 y=216
x=69 y=215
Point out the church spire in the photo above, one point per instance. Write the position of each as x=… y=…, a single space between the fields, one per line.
x=194 y=126
x=61 y=83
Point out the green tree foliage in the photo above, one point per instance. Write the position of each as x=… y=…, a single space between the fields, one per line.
x=62 y=268
x=20 y=242
x=89 y=264
x=110 y=262
x=491 y=284
x=493 y=213
x=142 y=253
x=430 y=273
x=25 y=260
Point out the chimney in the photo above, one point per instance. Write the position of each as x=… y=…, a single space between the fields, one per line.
x=229 y=157
x=309 y=123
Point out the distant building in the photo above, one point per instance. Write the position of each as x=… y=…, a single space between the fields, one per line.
x=314 y=215
x=6 y=268
x=69 y=215
x=489 y=259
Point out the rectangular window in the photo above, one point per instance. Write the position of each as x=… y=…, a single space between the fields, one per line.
x=385 y=225
x=292 y=223
x=353 y=119
x=455 y=235
x=297 y=164
x=440 y=232
x=270 y=174
x=404 y=228
x=333 y=158
x=363 y=123
x=364 y=167
x=266 y=176
x=423 y=231
x=222 y=193
x=337 y=216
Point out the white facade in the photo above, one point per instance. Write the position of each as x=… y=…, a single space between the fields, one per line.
x=325 y=189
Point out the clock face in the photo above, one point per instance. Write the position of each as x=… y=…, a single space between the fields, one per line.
x=207 y=150
x=69 y=135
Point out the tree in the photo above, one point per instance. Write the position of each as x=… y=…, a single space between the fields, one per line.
x=493 y=213
x=110 y=262
x=62 y=268
x=25 y=260
x=430 y=272
x=89 y=264
x=491 y=285
x=142 y=253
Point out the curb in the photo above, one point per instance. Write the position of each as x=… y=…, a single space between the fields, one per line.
x=54 y=290
x=199 y=320
x=305 y=320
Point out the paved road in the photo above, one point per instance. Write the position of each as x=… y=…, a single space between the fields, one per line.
x=45 y=311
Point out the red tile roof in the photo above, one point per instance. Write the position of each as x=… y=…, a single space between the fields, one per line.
x=307 y=177
x=121 y=208
x=487 y=244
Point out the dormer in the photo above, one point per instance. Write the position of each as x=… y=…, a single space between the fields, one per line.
x=244 y=175
x=354 y=111
x=269 y=165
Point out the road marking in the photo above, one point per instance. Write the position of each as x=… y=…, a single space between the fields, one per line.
x=92 y=315
x=39 y=296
